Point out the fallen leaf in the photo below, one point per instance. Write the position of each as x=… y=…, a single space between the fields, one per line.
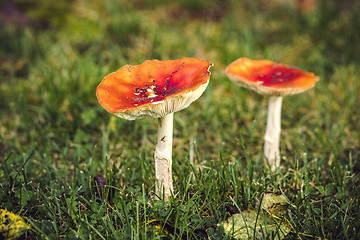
x=257 y=224
x=251 y=224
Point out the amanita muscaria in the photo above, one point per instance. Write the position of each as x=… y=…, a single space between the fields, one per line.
x=156 y=89
x=275 y=80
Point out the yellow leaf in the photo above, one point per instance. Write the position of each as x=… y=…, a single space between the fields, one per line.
x=12 y=226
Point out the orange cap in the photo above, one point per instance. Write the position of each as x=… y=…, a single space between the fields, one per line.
x=269 y=78
x=154 y=87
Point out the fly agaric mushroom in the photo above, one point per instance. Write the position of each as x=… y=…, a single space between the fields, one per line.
x=276 y=80
x=157 y=89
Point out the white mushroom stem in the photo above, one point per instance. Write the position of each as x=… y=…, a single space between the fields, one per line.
x=272 y=134
x=163 y=160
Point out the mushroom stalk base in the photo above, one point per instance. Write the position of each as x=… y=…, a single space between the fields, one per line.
x=163 y=159
x=272 y=134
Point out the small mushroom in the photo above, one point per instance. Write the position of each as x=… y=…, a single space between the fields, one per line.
x=156 y=89
x=275 y=80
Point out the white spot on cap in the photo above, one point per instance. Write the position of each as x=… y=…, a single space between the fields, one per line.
x=151 y=92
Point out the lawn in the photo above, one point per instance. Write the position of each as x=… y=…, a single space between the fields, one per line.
x=74 y=171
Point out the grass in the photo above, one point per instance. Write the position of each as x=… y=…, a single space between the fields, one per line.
x=55 y=138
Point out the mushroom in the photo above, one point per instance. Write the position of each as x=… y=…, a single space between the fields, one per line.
x=156 y=89
x=275 y=80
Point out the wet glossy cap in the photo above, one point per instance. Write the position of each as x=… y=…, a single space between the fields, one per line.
x=155 y=88
x=269 y=78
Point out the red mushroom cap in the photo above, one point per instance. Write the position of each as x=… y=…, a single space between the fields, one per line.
x=154 y=87
x=269 y=78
